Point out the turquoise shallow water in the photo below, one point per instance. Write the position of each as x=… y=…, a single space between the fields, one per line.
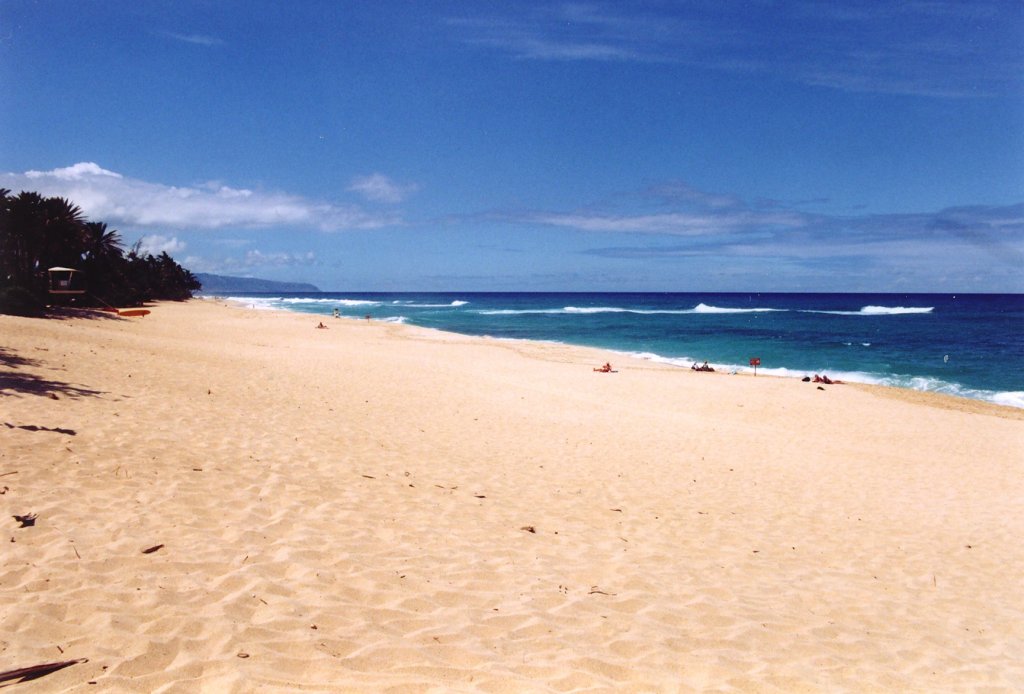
x=967 y=345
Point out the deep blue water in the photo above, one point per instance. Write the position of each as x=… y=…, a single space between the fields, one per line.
x=970 y=345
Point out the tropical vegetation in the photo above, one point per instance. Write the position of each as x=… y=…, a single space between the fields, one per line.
x=37 y=233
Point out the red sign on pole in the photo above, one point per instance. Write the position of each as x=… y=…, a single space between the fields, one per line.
x=755 y=362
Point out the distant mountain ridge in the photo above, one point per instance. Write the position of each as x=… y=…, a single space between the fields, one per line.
x=224 y=283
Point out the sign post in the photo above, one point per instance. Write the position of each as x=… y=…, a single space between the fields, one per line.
x=755 y=362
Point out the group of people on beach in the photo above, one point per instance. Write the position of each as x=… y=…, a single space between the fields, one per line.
x=606 y=369
x=820 y=379
x=336 y=314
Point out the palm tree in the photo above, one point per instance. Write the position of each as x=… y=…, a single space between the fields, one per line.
x=104 y=261
x=23 y=238
x=64 y=238
x=38 y=232
x=101 y=243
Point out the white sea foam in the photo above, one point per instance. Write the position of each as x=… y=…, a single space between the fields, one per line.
x=590 y=310
x=280 y=302
x=594 y=309
x=658 y=359
x=704 y=308
x=515 y=312
x=894 y=310
x=454 y=304
x=1011 y=398
x=261 y=303
x=699 y=308
x=876 y=311
x=395 y=319
x=921 y=383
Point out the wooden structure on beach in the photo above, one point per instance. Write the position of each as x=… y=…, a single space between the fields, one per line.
x=66 y=280
x=66 y=284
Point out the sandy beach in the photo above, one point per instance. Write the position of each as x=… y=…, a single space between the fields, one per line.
x=375 y=507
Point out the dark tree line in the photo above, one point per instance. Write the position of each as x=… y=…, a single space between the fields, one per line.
x=37 y=233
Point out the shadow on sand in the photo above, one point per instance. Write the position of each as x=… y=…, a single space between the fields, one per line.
x=13 y=382
x=67 y=312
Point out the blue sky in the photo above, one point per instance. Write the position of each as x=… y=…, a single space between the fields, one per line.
x=620 y=146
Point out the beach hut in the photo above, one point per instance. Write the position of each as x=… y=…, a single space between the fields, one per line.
x=66 y=280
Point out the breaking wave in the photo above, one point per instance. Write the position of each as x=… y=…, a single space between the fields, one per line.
x=877 y=311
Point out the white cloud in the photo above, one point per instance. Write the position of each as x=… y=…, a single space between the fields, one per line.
x=75 y=172
x=379 y=188
x=157 y=244
x=127 y=202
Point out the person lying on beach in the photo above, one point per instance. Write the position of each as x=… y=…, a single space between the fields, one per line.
x=321 y=326
x=824 y=379
x=607 y=368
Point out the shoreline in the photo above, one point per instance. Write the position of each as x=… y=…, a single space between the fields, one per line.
x=920 y=383
x=924 y=397
x=378 y=506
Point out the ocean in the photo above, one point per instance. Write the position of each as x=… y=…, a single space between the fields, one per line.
x=968 y=345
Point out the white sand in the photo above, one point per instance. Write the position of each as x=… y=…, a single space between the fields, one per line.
x=344 y=510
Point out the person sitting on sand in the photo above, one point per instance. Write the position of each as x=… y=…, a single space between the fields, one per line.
x=321 y=326
x=705 y=367
x=607 y=368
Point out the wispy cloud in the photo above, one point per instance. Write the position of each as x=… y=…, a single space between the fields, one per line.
x=379 y=188
x=252 y=260
x=677 y=223
x=967 y=238
x=938 y=48
x=680 y=209
x=121 y=201
x=578 y=31
x=195 y=39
